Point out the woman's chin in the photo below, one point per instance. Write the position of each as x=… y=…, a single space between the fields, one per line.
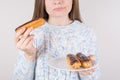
x=59 y=15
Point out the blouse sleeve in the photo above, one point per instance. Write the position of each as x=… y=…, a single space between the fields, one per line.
x=92 y=49
x=24 y=69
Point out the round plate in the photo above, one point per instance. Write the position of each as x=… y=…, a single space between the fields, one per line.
x=61 y=64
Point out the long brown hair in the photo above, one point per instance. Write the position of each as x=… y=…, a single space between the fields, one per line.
x=40 y=12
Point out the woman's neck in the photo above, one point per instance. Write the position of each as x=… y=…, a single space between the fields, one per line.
x=59 y=21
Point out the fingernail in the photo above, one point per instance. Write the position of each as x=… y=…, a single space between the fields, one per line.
x=32 y=34
x=31 y=28
x=23 y=28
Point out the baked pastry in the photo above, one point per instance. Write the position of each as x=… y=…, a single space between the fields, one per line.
x=72 y=61
x=86 y=63
x=92 y=59
x=33 y=23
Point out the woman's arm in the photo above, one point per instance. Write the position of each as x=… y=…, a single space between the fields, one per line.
x=92 y=49
x=27 y=46
x=24 y=68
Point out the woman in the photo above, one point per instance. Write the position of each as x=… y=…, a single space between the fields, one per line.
x=62 y=32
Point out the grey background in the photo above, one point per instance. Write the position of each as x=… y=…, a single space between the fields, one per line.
x=102 y=15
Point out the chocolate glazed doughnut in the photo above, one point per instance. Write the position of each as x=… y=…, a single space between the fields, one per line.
x=85 y=61
x=72 y=61
x=33 y=23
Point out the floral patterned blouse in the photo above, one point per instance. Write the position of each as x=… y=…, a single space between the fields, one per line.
x=57 y=40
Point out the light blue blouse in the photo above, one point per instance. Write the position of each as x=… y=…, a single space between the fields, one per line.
x=58 y=40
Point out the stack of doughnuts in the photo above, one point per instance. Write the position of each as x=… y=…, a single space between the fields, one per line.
x=79 y=60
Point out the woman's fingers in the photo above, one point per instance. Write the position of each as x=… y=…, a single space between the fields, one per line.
x=27 y=43
x=19 y=33
x=88 y=72
x=23 y=42
x=22 y=33
x=84 y=73
x=27 y=32
x=19 y=43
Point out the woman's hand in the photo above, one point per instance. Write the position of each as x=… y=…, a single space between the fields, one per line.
x=87 y=72
x=24 y=42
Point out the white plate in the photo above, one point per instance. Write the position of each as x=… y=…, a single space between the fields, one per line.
x=60 y=63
